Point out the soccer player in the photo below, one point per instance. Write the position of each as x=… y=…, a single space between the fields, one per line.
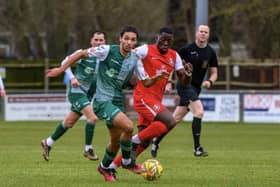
x=80 y=93
x=154 y=118
x=2 y=88
x=203 y=58
x=116 y=67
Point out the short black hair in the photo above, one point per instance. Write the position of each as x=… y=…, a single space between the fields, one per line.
x=129 y=28
x=99 y=32
x=166 y=30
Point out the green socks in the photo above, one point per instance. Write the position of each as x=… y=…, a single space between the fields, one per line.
x=125 y=148
x=59 y=131
x=89 y=132
x=108 y=158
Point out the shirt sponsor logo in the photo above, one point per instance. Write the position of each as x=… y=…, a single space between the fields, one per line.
x=194 y=53
x=89 y=70
x=111 y=72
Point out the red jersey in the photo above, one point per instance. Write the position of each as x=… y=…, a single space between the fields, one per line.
x=153 y=63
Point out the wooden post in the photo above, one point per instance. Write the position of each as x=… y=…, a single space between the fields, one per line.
x=228 y=74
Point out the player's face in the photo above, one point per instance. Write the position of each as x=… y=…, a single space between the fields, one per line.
x=202 y=33
x=164 y=42
x=97 y=40
x=128 y=41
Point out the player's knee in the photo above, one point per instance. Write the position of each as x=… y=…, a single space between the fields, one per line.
x=170 y=123
x=129 y=129
x=177 y=118
x=92 y=120
x=198 y=114
x=68 y=123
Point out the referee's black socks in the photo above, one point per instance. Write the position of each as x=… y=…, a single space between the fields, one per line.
x=196 y=129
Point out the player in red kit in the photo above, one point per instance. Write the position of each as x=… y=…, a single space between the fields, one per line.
x=154 y=118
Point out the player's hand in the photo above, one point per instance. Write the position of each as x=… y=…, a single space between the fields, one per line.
x=163 y=74
x=75 y=83
x=168 y=88
x=188 y=67
x=2 y=92
x=54 y=72
x=206 y=84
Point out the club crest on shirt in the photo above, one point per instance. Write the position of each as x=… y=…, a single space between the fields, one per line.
x=171 y=62
x=156 y=107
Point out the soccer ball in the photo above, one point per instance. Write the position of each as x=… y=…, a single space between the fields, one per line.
x=151 y=169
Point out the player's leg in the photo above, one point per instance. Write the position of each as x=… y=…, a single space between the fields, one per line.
x=61 y=129
x=159 y=118
x=197 y=110
x=185 y=93
x=121 y=129
x=110 y=153
x=89 y=132
x=161 y=121
x=82 y=105
x=178 y=114
x=138 y=149
x=122 y=122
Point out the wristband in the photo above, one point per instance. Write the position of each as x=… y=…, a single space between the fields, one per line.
x=211 y=82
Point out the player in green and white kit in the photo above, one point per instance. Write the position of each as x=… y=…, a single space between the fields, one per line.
x=80 y=93
x=117 y=65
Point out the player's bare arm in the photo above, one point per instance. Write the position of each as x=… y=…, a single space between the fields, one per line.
x=185 y=74
x=54 y=72
x=168 y=87
x=151 y=80
x=212 y=78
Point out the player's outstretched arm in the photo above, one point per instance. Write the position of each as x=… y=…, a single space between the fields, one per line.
x=54 y=72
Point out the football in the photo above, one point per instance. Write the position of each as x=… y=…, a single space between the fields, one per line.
x=151 y=169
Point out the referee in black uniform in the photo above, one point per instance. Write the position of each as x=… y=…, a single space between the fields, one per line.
x=203 y=59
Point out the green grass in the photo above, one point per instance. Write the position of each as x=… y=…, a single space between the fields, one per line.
x=240 y=156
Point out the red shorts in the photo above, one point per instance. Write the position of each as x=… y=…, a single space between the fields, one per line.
x=147 y=108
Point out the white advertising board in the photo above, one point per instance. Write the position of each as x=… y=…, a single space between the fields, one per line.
x=36 y=107
x=219 y=107
x=261 y=108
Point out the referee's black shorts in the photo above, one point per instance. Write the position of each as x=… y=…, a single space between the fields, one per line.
x=187 y=93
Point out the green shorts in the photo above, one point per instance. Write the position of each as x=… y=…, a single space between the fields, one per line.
x=78 y=102
x=106 y=110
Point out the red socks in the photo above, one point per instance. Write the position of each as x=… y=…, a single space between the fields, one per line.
x=155 y=129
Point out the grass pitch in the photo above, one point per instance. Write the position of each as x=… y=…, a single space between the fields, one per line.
x=240 y=155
